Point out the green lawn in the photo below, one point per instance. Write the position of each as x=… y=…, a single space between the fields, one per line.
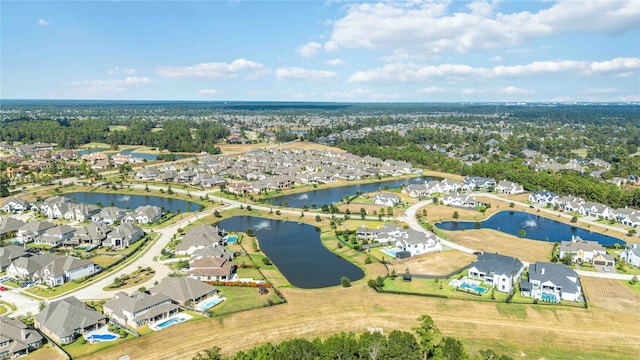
x=82 y=348
x=104 y=260
x=48 y=292
x=439 y=288
x=241 y=299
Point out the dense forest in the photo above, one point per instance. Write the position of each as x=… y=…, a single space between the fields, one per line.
x=397 y=345
x=176 y=135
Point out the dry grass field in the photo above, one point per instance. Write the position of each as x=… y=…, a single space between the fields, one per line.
x=441 y=263
x=521 y=331
x=492 y=241
x=610 y=294
x=240 y=148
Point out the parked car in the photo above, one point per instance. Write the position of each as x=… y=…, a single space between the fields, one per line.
x=606 y=268
x=2 y=288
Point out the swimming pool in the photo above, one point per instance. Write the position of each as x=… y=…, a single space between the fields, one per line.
x=232 y=239
x=477 y=289
x=548 y=297
x=170 y=321
x=390 y=252
x=101 y=337
x=209 y=303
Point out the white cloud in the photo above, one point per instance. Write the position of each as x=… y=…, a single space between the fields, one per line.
x=43 y=22
x=93 y=87
x=335 y=62
x=309 y=49
x=497 y=58
x=296 y=73
x=121 y=71
x=425 y=27
x=431 y=90
x=599 y=91
x=512 y=90
x=410 y=72
x=214 y=70
x=207 y=92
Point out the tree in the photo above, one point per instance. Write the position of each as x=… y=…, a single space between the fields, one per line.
x=631 y=232
x=456 y=215
x=634 y=280
x=452 y=349
x=345 y=282
x=213 y=353
x=568 y=259
x=428 y=335
x=266 y=261
x=522 y=233
x=574 y=219
x=512 y=205
x=401 y=345
x=318 y=218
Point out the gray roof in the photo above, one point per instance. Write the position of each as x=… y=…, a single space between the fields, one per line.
x=577 y=243
x=136 y=304
x=62 y=317
x=182 y=289
x=9 y=253
x=10 y=224
x=12 y=329
x=497 y=264
x=558 y=274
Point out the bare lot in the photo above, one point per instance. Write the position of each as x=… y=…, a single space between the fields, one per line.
x=492 y=241
x=441 y=263
x=610 y=294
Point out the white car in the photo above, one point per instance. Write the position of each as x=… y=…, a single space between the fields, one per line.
x=606 y=268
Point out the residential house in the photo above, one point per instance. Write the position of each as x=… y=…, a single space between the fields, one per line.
x=499 y=271
x=54 y=236
x=65 y=320
x=145 y=214
x=455 y=199
x=417 y=243
x=238 y=188
x=93 y=234
x=123 y=236
x=109 y=215
x=551 y=282
x=51 y=269
x=584 y=251
x=9 y=227
x=54 y=207
x=185 y=291
x=200 y=237
x=29 y=231
x=16 y=339
x=139 y=308
x=508 y=187
x=386 y=199
x=415 y=190
x=80 y=212
x=597 y=210
x=570 y=203
x=147 y=174
x=211 y=269
x=15 y=205
x=388 y=233
x=631 y=254
x=10 y=253
x=477 y=182
x=544 y=197
x=626 y=216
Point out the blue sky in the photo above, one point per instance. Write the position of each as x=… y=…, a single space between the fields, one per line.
x=417 y=51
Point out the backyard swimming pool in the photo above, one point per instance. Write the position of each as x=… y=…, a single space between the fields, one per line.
x=232 y=239
x=390 y=252
x=209 y=303
x=549 y=297
x=171 y=321
x=96 y=338
x=468 y=286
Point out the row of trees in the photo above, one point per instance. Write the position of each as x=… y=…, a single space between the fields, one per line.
x=397 y=345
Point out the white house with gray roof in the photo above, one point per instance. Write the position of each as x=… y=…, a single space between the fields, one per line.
x=51 y=269
x=145 y=214
x=10 y=253
x=15 y=205
x=499 y=271
x=65 y=320
x=551 y=282
x=199 y=238
x=139 y=308
x=417 y=243
x=386 y=199
x=123 y=236
x=631 y=254
x=16 y=339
